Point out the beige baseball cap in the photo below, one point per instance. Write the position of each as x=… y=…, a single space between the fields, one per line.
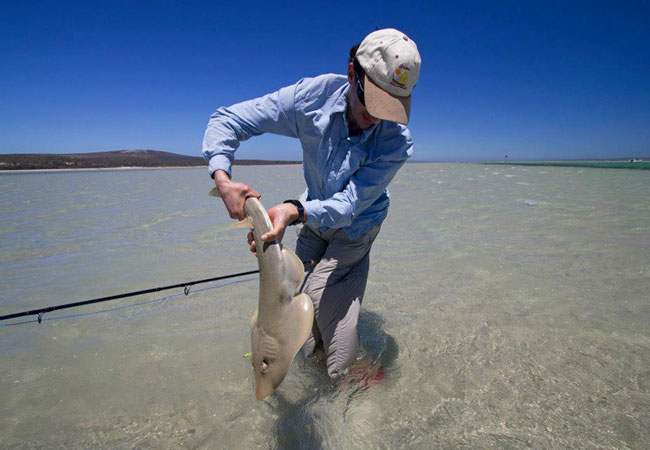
x=392 y=64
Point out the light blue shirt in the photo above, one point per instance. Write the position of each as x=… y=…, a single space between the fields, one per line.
x=346 y=176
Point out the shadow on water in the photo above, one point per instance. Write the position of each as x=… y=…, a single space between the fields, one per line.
x=317 y=418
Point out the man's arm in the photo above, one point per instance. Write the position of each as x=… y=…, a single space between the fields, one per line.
x=338 y=211
x=272 y=113
x=365 y=186
x=363 y=189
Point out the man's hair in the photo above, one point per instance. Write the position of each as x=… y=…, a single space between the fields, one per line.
x=353 y=59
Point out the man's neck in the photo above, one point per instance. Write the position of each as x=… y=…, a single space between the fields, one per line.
x=353 y=128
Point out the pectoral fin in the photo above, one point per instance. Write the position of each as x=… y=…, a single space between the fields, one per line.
x=295 y=271
x=302 y=312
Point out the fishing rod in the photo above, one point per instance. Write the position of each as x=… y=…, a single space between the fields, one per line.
x=185 y=286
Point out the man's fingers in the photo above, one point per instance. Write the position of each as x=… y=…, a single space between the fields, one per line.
x=251 y=243
x=249 y=192
x=237 y=215
x=234 y=196
x=253 y=193
x=270 y=236
x=275 y=234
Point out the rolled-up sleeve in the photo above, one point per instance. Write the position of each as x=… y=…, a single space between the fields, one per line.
x=228 y=126
x=363 y=189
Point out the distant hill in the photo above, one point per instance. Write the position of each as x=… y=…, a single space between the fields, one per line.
x=105 y=160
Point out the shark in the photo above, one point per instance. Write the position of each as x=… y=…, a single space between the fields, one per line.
x=284 y=318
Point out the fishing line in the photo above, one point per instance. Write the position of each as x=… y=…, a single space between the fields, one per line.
x=121 y=308
x=186 y=290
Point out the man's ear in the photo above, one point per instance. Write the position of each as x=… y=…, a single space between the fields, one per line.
x=350 y=72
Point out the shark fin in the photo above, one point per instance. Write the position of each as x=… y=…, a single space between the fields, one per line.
x=214 y=192
x=303 y=315
x=244 y=223
x=295 y=271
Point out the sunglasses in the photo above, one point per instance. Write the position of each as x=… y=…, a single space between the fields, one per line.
x=360 y=92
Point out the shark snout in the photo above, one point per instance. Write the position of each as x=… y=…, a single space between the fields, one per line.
x=263 y=387
x=268 y=376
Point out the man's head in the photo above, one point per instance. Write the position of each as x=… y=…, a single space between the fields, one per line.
x=383 y=71
x=358 y=115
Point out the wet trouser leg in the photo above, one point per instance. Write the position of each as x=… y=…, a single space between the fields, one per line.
x=336 y=271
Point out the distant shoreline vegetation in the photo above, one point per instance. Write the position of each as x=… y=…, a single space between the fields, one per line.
x=122 y=159
x=112 y=159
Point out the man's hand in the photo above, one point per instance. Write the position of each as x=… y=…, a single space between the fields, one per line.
x=233 y=194
x=281 y=216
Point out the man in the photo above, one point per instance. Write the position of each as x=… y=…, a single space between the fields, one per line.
x=354 y=141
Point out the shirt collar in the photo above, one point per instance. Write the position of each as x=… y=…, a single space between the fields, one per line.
x=340 y=105
x=341 y=101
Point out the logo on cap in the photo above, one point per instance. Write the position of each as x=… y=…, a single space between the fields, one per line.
x=401 y=77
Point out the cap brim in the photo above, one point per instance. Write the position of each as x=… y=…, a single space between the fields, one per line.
x=385 y=106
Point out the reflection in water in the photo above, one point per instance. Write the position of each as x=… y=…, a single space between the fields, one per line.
x=317 y=419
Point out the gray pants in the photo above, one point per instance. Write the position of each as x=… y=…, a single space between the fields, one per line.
x=336 y=271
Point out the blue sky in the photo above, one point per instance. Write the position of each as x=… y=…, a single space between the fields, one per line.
x=535 y=80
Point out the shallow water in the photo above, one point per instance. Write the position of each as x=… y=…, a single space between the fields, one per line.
x=508 y=307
